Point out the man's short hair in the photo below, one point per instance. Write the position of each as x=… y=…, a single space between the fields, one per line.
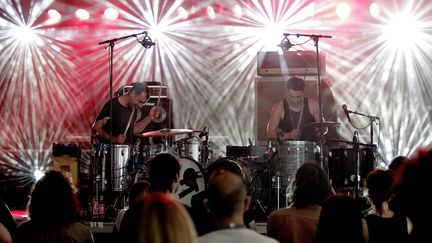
x=138 y=88
x=224 y=201
x=295 y=83
x=163 y=171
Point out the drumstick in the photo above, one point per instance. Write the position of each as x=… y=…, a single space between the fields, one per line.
x=300 y=117
x=160 y=94
x=161 y=117
x=129 y=121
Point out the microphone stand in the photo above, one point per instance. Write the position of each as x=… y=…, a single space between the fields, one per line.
x=111 y=43
x=357 y=160
x=372 y=119
x=316 y=38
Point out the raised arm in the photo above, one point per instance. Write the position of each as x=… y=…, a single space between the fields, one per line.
x=276 y=115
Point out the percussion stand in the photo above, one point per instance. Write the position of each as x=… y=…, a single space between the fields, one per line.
x=274 y=175
x=357 y=160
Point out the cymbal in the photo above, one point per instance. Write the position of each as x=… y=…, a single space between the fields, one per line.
x=325 y=123
x=166 y=132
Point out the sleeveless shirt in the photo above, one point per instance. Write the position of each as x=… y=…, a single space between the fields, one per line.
x=387 y=230
x=290 y=120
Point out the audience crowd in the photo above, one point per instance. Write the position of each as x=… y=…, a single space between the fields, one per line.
x=398 y=209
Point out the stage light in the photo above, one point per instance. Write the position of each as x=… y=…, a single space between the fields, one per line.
x=374 y=10
x=402 y=31
x=343 y=10
x=54 y=16
x=211 y=13
x=183 y=14
x=82 y=14
x=38 y=174
x=238 y=11
x=271 y=36
x=111 y=13
x=25 y=34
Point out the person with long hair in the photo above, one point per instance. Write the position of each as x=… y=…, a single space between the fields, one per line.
x=137 y=190
x=54 y=213
x=158 y=218
x=298 y=222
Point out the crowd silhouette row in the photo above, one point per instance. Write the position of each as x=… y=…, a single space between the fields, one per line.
x=398 y=197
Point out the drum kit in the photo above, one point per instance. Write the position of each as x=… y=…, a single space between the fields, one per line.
x=346 y=165
x=268 y=176
x=129 y=162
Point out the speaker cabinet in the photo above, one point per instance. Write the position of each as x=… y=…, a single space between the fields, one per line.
x=69 y=166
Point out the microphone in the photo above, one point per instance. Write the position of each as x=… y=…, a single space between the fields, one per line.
x=147 y=42
x=344 y=107
x=285 y=44
x=355 y=137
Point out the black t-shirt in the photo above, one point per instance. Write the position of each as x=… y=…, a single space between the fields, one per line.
x=120 y=120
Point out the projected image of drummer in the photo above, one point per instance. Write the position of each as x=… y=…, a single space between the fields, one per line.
x=289 y=116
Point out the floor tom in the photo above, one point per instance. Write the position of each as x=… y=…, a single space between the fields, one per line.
x=342 y=164
x=114 y=172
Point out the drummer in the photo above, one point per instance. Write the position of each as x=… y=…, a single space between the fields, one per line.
x=288 y=116
x=125 y=123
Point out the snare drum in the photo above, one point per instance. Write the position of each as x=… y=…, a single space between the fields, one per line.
x=289 y=156
x=189 y=148
x=192 y=180
x=114 y=176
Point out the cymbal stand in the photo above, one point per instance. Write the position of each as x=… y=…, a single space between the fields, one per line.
x=263 y=169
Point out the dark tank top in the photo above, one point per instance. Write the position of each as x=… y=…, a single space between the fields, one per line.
x=387 y=230
x=290 y=120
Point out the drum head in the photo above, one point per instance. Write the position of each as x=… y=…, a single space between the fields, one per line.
x=192 y=180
